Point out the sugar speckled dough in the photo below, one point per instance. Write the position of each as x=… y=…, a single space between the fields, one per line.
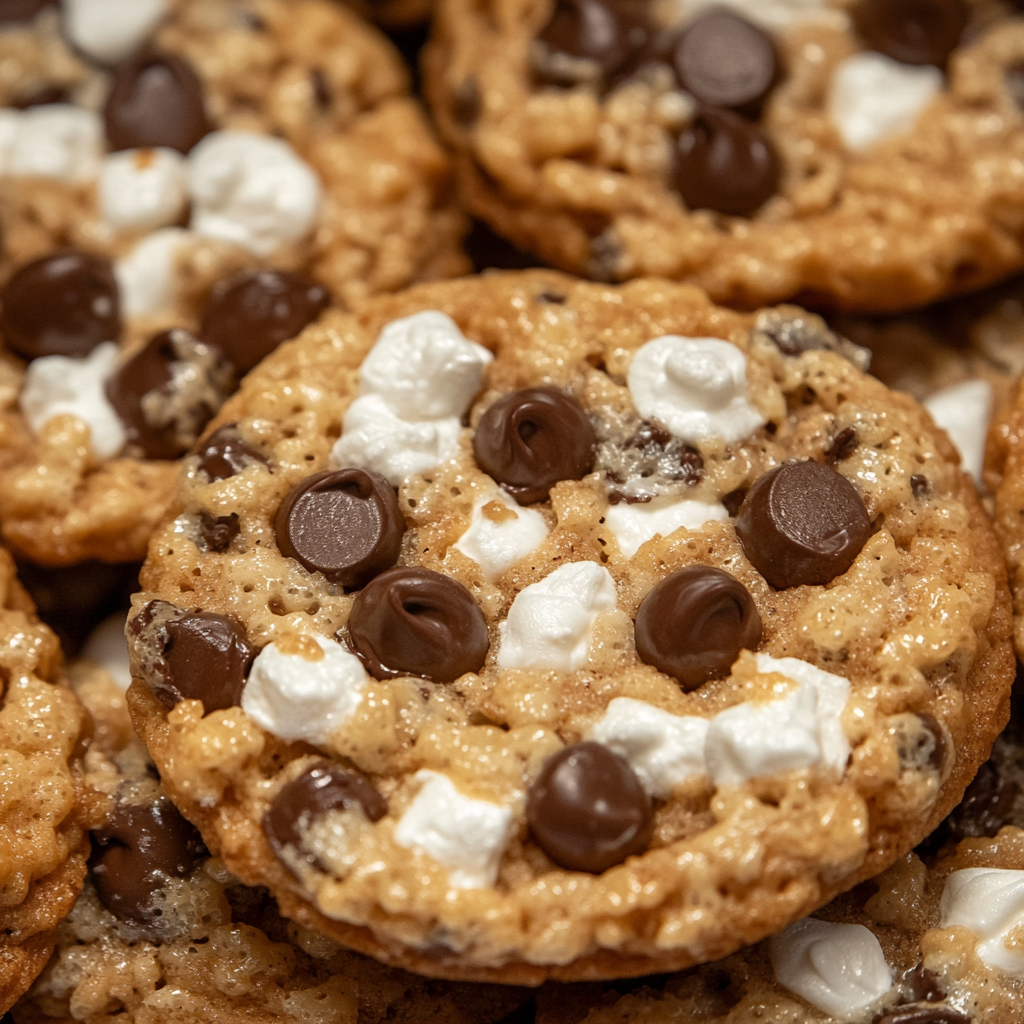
x=913 y=209
x=907 y=651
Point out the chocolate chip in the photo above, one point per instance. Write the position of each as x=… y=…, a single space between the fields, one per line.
x=922 y=1015
x=649 y=434
x=136 y=852
x=587 y=810
x=156 y=99
x=344 y=524
x=724 y=60
x=552 y=298
x=844 y=445
x=531 y=439
x=725 y=163
x=41 y=96
x=466 y=103
x=694 y=624
x=248 y=316
x=218 y=531
x=418 y=622
x=802 y=523
x=912 y=31
x=323 y=93
x=325 y=788
x=168 y=391
x=919 y=485
x=64 y=304
x=20 y=11
x=923 y=985
x=794 y=331
x=986 y=807
x=225 y=453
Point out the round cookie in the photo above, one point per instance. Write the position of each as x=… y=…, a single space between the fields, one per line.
x=43 y=845
x=767 y=151
x=223 y=168
x=446 y=817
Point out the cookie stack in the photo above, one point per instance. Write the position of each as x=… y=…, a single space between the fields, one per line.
x=624 y=631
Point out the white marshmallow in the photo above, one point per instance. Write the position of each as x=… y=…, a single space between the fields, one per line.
x=550 y=623
x=497 y=541
x=839 y=968
x=108 y=648
x=696 y=387
x=56 y=385
x=424 y=367
x=110 y=30
x=774 y=14
x=146 y=279
x=635 y=525
x=142 y=189
x=989 y=902
x=56 y=140
x=873 y=98
x=253 y=190
x=373 y=437
x=964 y=411
x=467 y=836
x=754 y=739
x=298 y=699
x=663 y=749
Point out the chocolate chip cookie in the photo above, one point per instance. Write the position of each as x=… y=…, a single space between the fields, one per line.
x=183 y=188
x=852 y=154
x=517 y=627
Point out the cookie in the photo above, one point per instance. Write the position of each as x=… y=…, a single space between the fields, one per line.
x=43 y=846
x=222 y=169
x=848 y=155
x=517 y=627
x=164 y=932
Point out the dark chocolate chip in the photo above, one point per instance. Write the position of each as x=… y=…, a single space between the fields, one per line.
x=531 y=439
x=724 y=60
x=466 y=103
x=694 y=624
x=13 y=12
x=323 y=92
x=418 y=622
x=919 y=485
x=648 y=434
x=345 y=524
x=802 y=523
x=136 y=852
x=587 y=810
x=325 y=788
x=156 y=99
x=733 y=501
x=726 y=163
x=922 y=985
x=986 y=807
x=168 y=391
x=218 y=531
x=844 y=445
x=922 y=1015
x=912 y=31
x=61 y=305
x=225 y=452
x=248 y=316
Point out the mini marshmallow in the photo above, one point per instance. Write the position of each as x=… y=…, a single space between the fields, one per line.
x=466 y=836
x=146 y=280
x=874 y=98
x=252 y=190
x=110 y=30
x=298 y=699
x=663 y=749
x=839 y=968
x=634 y=525
x=964 y=411
x=696 y=387
x=990 y=903
x=108 y=648
x=424 y=367
x=142 y=189
x=550 y=623
x=501 y=533
x=56 y=140
x=57 y=385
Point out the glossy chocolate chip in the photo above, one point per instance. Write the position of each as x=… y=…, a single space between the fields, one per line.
x=724 y=60
x=414 y=621
x=843 y=446
x=14 y=12
x=345 y=524
x=919 y=485
x=918 y=1014
x=531 y=439
x=218 y=531
x=726 y=163
x=912 y=31
x=61 y=305
x=802 y=523
x=587 y=810
x=248 y=316
x=156 y=99
x=138 y=849
x=225 y=452
x=325 y=788
x=168 y=391
x=694 y=624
